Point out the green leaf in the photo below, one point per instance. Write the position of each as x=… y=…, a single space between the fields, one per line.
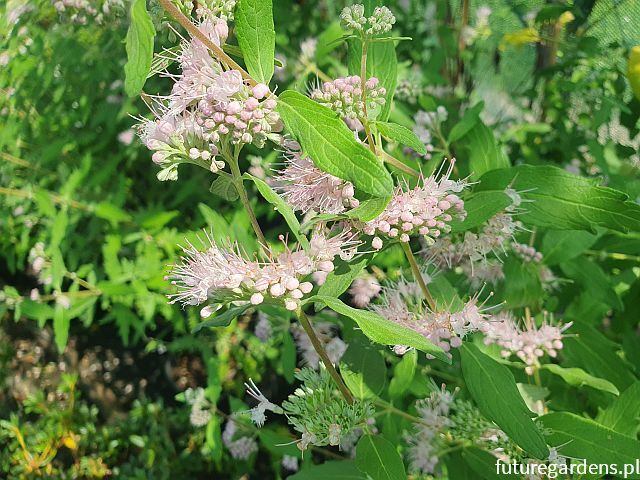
x=61 y=323
x=562 y=245
x=288 y=356
x=593 y=279
x=278 y=444
x=564 y=201
x=282 y=207
x=469 y=120
x=484 y=464
x=223 y=319
x=494 y=390
x=578 y=377
x=342 y=276
x=402 y=135
x=36 y=310
x=403 y=374
x=364 y=371
x=484 y=152
x=480 y=207
x=623 y=415
x=368 y=209
x=381 y=330
x=139 y=46
x=257 y=37
x=335 y=470
x=58 y=268
x=523 y=286
x=224 y=187
x=379 y=459
x=332 y=146
x=328 y=41
x=579 y=437
x=593 y=352
x=110 y=212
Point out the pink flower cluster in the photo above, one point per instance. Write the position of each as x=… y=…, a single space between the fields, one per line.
x=529 y=344
x=307 y=188
x=426 y=210
x=328 y=336
x=344 y=96
x=208 y=107
x=527 y=253
x=403 y=303
x=363 y=289
x=222 y=275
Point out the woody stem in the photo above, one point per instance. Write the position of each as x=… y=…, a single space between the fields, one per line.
x=315 y=341
x=418 y=275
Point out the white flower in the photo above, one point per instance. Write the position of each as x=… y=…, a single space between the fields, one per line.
x=258 y=412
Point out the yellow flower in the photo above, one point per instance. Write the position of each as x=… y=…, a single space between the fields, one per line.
x=521 y=37
x=633 y=71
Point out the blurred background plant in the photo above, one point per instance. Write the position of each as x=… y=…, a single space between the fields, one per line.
x=95 y=363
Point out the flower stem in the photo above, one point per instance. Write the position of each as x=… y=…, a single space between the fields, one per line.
x=244 y=198
x=418 y=275
x=315 y=341
x=393 y=161
x=363 y=79
x=195 y=32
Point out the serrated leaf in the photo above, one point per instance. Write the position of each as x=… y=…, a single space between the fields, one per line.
x=378 y=458
x=282 y=207
x=364 y=371
x=222 y=319
x=623 y=414
x=480 y=207
x=577 y=377
x=257 y=37
x=332 y=146
x=139 y=46
x=494 y=390
x=401 y=135
x=582 y=438
x=564 y=201
x=224 y=187
x=381 y=330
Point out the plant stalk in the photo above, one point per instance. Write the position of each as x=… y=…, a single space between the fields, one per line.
x=418 y=275
x=363 y=75
x=315 y=341
x=195 y=32
x=244 y=198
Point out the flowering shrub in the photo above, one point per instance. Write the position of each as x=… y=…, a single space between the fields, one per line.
x=401 y=244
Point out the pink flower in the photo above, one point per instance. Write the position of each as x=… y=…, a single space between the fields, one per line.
x=364 y=289
x=307 y=188
x=426 y=210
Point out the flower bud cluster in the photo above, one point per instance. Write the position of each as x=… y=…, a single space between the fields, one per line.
x=318 y=415
x=426 y=210
x=220 y=8
x=307 y=188
x=208 y=107
x=344 y=96
x=363 y=289
x=200 y=407
x=83 y=11
x=381 y=21
x=403 y=303
x=527 y=253
x=223 y=274
x=528 y=343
